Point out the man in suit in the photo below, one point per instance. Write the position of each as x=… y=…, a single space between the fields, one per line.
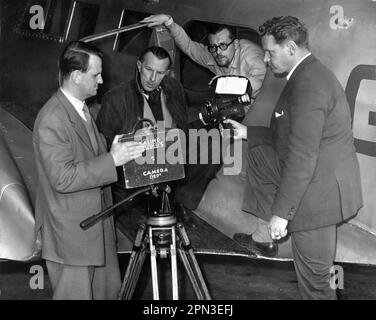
x=303 y=173
x=75 y=170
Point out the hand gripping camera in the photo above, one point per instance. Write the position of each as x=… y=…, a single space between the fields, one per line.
x=230 y=95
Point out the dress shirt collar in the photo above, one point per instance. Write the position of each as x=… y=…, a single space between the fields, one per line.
x=77 y=104
x=299 y=62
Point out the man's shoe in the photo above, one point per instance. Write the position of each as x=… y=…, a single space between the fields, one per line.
x=268 y=249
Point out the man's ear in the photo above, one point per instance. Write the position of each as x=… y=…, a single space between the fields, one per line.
x=76 y=76
x=291 y=45
x=139 y=65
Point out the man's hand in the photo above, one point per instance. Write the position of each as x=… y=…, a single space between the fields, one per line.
x=143 y=133
x=156 y=20
x=123 y=152
x=277 y=227
x=240 y=131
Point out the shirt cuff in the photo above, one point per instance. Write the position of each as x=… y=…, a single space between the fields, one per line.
x=169 y=22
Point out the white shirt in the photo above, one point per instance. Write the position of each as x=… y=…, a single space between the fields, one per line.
x=77 y=104
x=299 y=62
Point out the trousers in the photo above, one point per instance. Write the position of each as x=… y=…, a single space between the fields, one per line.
x=313 y=250
x=72 y=282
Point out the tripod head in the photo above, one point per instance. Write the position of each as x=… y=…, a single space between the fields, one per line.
x=159 y=219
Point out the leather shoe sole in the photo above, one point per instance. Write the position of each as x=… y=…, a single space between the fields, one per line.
x=267 y=249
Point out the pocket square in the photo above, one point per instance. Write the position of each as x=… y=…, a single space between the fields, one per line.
x=277 y=114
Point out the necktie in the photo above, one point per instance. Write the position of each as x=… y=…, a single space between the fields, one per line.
x=90 y=128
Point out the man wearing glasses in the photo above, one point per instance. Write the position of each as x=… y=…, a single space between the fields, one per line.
x=225 y=55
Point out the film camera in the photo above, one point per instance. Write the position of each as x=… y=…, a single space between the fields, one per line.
x=230 y=95
x=162 y=161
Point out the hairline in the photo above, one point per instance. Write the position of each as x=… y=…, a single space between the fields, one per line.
x=224 y=28
x=142 y=59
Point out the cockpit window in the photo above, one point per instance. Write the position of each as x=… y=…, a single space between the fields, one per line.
x=58 y=20
x=133 y=42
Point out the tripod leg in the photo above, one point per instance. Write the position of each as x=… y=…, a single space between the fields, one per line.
x=134 y=267
x=190 y=273
x=136 y=274
x=153 y=262
x=174 y=266
x=192 y=261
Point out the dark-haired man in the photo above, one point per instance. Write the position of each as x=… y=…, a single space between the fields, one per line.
x=303 y=173
x=225 y=55
x=75 y=170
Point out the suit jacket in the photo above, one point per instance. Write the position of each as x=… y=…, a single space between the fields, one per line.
x=311 y=132
x=72 y=184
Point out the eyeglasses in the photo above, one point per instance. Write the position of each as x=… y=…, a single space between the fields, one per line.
x=223 y=46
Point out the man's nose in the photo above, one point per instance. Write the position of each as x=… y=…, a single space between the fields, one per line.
x=266 y=58
x=100 y=80
x=153 y=76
